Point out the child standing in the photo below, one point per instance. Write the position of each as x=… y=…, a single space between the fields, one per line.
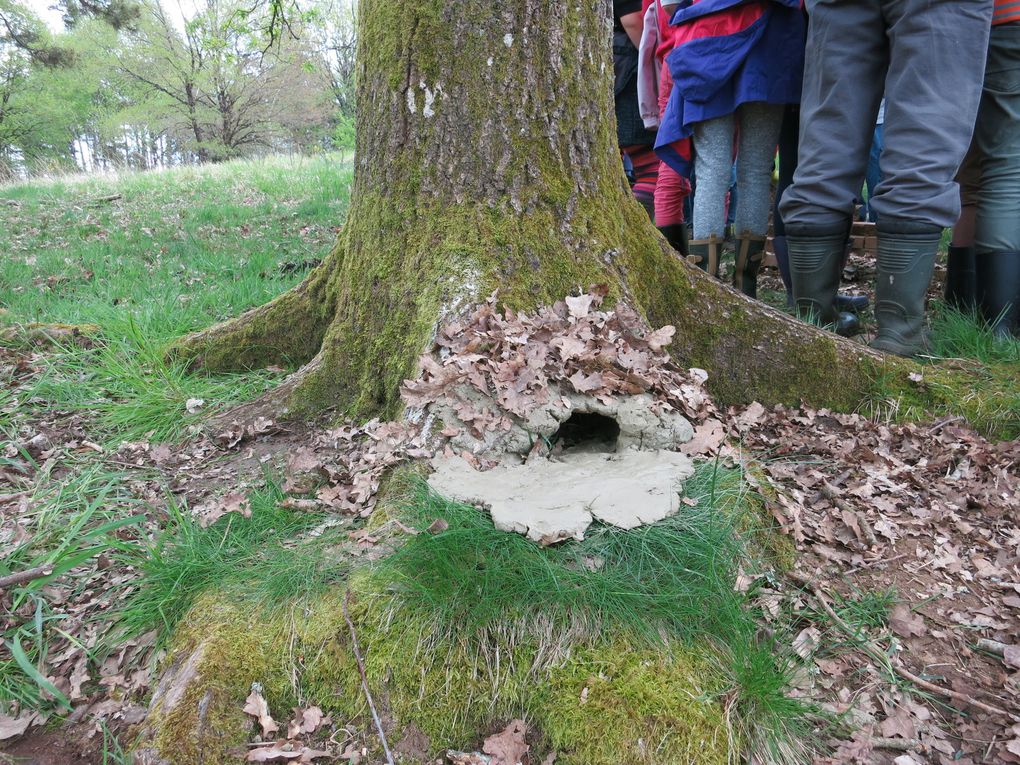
x=735 y=66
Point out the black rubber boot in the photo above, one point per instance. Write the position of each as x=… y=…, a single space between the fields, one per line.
x=750 y=252
x=676 y=235
x=961 y=279
x=906 y=260
x=783 y=261
x=704 y=253
x=998 y=288
x=816 y=260
x=851 y=303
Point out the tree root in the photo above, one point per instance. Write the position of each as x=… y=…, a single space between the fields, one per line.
x=287 y=331
x=274 y=404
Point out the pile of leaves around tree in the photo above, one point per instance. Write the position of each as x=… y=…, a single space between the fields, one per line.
x=904 y=595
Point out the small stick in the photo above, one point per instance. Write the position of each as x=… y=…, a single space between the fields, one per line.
x=993 y=647
x=25 y=576
x=903 y=673
x=364 y=679
x=899 y=744
x=832 y=494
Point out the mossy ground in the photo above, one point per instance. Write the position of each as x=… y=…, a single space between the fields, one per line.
x=600 y=678
x=607 y=703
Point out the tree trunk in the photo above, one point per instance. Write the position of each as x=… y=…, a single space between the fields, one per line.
x=487 y=159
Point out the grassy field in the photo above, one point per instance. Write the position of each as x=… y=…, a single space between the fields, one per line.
x=148 y=257
x=174 y=251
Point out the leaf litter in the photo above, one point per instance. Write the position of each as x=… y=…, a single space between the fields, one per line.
x=927 y=510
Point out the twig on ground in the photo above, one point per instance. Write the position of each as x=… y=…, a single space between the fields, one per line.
x=21 y=577
x=899 y=744
x=364 y=679
x=993 y=647
x=943 y=423
x=832 y=494
x=884 y=660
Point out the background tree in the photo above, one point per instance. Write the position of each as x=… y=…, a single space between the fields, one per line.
x=486 y=159
x=209 y=79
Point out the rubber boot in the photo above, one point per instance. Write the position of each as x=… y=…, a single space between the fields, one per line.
x=676 y=235
x=961 y=279
x=704 y=253
x=783 y=261
x=851 y=303
x=906 y=260
x=998 y=288
x=816 y=261
x=750 y=251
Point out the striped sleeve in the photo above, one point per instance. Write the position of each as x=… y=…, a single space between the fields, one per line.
x=1006 y=11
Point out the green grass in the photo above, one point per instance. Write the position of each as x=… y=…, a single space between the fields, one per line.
x=72 y=522
x=956 y=335
x=672 y=581
x=866 y=610
x=179 y=250
x=968 y=375
x=262 y=560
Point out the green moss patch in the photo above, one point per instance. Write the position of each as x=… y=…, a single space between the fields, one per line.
x=627 y=647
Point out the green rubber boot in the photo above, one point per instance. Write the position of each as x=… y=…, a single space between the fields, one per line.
x=906 y=260
x=816 y=261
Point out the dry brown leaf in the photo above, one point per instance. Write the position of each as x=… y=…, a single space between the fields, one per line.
x=234 y=502
x=14 y=726
x=905 y=622
x=660 y=338
x=579 y=306
x=256 y=706
x=508 y=747
x=807 y=642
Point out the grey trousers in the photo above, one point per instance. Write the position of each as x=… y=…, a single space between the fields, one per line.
x=997 y=145
x=928 y=56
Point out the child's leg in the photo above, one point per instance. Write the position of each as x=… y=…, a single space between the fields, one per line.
x=646 y=170
x=713 y=158
x=670 y=191
x=759 y=135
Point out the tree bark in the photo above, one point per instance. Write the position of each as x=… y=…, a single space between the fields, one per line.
x=487 y=159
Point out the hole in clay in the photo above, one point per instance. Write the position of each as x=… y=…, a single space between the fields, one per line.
x=587 y=431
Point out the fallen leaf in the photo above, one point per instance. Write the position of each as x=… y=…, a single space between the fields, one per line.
x=579 y=306
x=14 y=726
x=807 y=642
x=660 y=338
x=438 y=526
x=508 y=747
x=193 y=405
x=905 y=622
x=256 y=706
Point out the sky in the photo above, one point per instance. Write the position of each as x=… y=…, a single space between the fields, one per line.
x=47 y=11
x=44 y=10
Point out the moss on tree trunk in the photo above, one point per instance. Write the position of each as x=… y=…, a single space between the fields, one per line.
x=487 y=159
